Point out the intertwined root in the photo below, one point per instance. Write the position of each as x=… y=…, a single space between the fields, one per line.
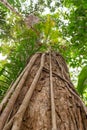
x=12 y=113
x=9 y=100
x=12 y=95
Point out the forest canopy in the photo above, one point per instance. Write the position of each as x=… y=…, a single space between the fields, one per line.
x=30 y=26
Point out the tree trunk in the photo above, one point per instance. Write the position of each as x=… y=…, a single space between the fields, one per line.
x=47 y=99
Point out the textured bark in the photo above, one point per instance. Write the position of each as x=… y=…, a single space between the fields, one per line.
x=70 y=112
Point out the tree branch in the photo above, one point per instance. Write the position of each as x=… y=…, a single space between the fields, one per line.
x=5 y=3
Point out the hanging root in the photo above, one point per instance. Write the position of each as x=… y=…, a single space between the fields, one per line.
x=9 y=124
x=11 y=102
x=11 y=90
x=19 y=115
x=53 y=112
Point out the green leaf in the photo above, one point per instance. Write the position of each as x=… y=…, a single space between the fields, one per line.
x=82 y=80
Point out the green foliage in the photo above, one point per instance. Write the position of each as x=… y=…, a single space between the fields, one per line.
x=82 y=80
x=18 y=48
x=77 y=31
x=18 y=42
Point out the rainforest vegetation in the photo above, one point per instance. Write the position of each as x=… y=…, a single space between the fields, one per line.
x=43 y=65
x=61 y=25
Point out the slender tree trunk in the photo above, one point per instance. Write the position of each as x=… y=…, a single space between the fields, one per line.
x=47 y=99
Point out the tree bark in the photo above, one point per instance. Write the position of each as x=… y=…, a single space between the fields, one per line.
x=53 y=92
